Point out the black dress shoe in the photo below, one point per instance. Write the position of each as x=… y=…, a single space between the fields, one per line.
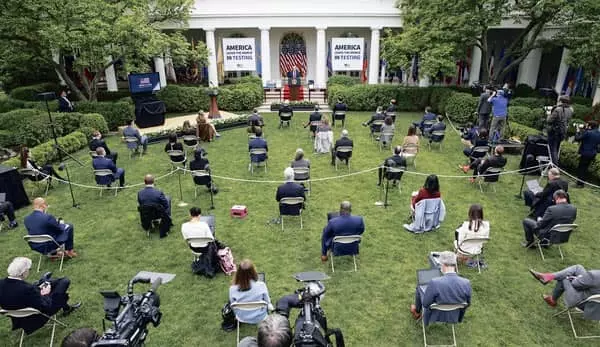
x=69 y=309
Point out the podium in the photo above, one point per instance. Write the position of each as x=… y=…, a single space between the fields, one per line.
x=294 y=84
x=213 y=111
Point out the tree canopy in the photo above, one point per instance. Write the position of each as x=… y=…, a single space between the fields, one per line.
x=97 y=34
x=442 y=32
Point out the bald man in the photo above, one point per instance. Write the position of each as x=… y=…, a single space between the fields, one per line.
x=39 y=222
x=343 y=225
x=152 y=196
x=100 y=162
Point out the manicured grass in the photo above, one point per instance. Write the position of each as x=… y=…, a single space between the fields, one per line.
x=370 y=306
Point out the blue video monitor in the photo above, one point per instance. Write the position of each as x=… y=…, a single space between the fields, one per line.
x=144 y=83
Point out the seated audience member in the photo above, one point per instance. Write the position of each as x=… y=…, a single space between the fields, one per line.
x=430 y=190
x=7 y=209
x=480 y=165
x=391 y=110
x=577 y=282
x=447 y=289
x=427 y=117
x=49 y=297
x=589 y=144
x=273 y=331
x=196 y=228
x=438 y=126
x=314 y=117
x=479 y=139
x=470 y=133
x=343 y=225
x=339 y=106
x=97 y=141
x=474 y=228
x=396 y=160
x=201 y=163
x=152 y=196
x=411 y=138
x=257 y=143
x=388 y=125
x=562 y=212
x=132 y=131
x=289 y=189
x=82 y=337
x=42 y=172
x=540 y=201
x=188 y=130
x=324 y=137
x=378 y=116
x=285 y=110
x=246 y=287
x=343 y=141
x=174 y=145
x=300 y=162
x=255 y=121
x=100 y=162
x=205 y=130
x=39 y=222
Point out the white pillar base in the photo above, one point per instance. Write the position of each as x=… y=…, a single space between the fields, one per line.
x=213 y=74
x=475 y=67
x=265 y=52
x=374 y=55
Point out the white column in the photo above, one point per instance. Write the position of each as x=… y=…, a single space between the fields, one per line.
x=213 y=75
x=159 y=66
x=111 y=77
x=382 y=74
x=424 y=81
x=529 y=68
x=562 y=71
x=321 y=67
x=374 y=56
x=597 y=93
x=265 y=53
x=475 y=67
x=56 y=58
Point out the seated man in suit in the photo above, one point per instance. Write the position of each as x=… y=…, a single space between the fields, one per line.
x=378 y=116
x=49 y=296
x=343 y=225
x=132 y=131
x=258 y=142
x=480 y=165
x=577 y=282
x=97 y=141
x=339 y=106
x=562 y=212
x=201 y=163
x=542 y=200
x=391 y=110
x=41 y=223
x=255 y=121
x=287 y=109
x=343 y=141
x=447 y=289
x=396 y=160
x=474 y=138
x=7 y=209
x=438 y=126
x=428 y=116
x=152 y=196
x=314 y=117
x=289 y=189
x=100 y=162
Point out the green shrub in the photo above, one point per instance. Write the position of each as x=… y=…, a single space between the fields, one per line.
x=27 y=126
x=342 y=80
x=581 y=100
x=439 y=97
x=520 y=114
x=460 y=107
x=29 y=93
x=524 y=91
x=115 y=113
x=528 y=102
x=365 y=97
x=9 y=104
x=184 y=99
x=251 y=79
x=45 y=152
x=104 y=95
x=240 y=96
x=582 y=112
x=93 y=121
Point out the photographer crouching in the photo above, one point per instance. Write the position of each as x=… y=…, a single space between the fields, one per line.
x=311 y=324
x=589 y=137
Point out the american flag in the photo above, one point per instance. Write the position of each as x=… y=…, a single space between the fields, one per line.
x=292 y=53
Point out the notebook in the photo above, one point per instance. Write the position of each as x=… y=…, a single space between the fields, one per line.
x=424 y=276
x=534 y=186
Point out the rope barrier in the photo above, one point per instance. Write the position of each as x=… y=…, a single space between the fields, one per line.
x=551 y=163
x=452 y=124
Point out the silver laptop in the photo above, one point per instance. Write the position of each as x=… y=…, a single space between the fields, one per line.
x=534 y=186
x=424 y=276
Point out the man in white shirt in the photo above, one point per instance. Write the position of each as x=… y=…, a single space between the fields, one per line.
x=196 y=228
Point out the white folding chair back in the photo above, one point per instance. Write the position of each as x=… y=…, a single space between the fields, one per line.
x=292 y=201
x=343 y=149
x=198 y=242
x=35 y=174
x=345 y=239
x=105 y=173
x=190 y=139
x=576 y=309
x=558 y=228
x=253 y=164
x=479 y=151
x=43 y=239
x=409 y=152
x=472 y=243
x=28 y=312
x=132 y=145
x=341 y=116
x=438 y=133
x=199 y=173
x=285 y=117
x=303 y=172
x=491 y=176
x=388 y=135
x=173 y=155
x=377 y=124
x=445 y=308
x=395 y=170
x=246 y=306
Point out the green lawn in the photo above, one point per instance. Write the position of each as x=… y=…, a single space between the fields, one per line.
x=370 y=306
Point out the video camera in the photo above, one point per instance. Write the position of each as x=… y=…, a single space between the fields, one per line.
x=311 y=324
x=130 y=326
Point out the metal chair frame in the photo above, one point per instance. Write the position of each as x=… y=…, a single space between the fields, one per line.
x=198 y=242
x=27 y=312
x=257 y=164
x=389 y=133
x=285 y=117
x=43 y=239
x=190 y=138
x=132 y=150
x=36 y=183
x=482 y=150
x=558 y=228
x=346 y=239
x=341 y=115
x=408 y=156
x=477 y=256
x=490 y=171
x=343 y=149
x=175 y=165
x=246 y=306
x=303 y=171
x=375 y=134
x=441 y=133
x=292 y=201
x=575 y=309
x=445 y=308
x=103 y=173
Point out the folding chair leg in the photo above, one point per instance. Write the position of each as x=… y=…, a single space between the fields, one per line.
x=301 y=225
x=47 y=187
x=62 y=258
x=424 y=334
x=195 y=192
x=281 y=220
x=52 y=336
x=453 y=332
x=39 y=262
x=561 y=253
x=22 y=337
x=238 y=332
x=331 y=256
x=541 y=252
x=478 y=266
x=101 y=190
x=354 y=258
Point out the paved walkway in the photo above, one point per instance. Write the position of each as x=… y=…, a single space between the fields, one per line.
x=176 y=122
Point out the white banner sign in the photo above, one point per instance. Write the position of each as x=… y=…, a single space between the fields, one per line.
x=239 y=54
x=347 y=53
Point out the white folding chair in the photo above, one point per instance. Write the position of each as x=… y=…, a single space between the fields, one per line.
x=198 y=242
x=472 y=243
x=105 y=173
x=347 y=239
x=246 y=306
x=445 y=308
x=132 y=145
x=479 y=152
x=426 y=125
x=285 y=117
x=343 y=149
x=190 y=142
x=28 y=312
x=303 y=172
x=490 y=177
x=341 y=116
x=376 y=124
x=60 y=248
x=409 y=152
x=253 y=164
x=201 y=173
x=176 y=164
x=292 y=201
x=395 y=170
x=34 y=174
x=557 y=229
x=544 y=164
x=595 y=299
x=440 y=134
x=387 y=134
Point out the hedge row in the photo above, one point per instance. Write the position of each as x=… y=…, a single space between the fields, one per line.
x=116 y=114
x=31 y=127
x=45 y=152
x=29 y=93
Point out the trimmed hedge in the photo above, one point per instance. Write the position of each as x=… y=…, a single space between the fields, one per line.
x=461 y=107
x=116 y=114
x=9 y=104
x=240 y=96
x=528 y=102
x=342 y=80
x=183 y=99
x=104 y=95
x=365 y=97
x=29 y=93
x=45 y=153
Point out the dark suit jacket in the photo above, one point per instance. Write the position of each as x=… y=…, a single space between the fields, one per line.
x=494 y=161
x=590 y=140
x=95 y=143
x=584 y=286
x=150 y=195
x=543 y=199
x=448 y=289
x=200 y=164
x=340 y=106
x=103 y=163
x=343 y=225
x=376 y=116
x=289 y=190
x=286 y=109
x=17 y=294
x=343 y=142
x=395 y=161
x=483 y=106
x=258 y=142
x=39 y=223
x=391 y=108
x=255 y=120
x=63 y=105
x=556 y=214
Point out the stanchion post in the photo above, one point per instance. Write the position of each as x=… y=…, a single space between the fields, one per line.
x=181 y=202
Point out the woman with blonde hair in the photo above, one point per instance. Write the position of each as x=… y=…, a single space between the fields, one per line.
x=246 y=287
x=205 y=130
x=324 y=137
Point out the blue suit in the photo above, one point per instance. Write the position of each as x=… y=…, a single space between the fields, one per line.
x=258 y=142
x=435 y=127
x=448 y=289
x=426 y=117
x=103 y=163
x=343 y=225
x=152 y=196
x=40 y=223
x=289 y=190
x=130 y=131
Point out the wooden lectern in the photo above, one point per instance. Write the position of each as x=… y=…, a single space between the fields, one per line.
x=213 y=111
x=294 y=84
